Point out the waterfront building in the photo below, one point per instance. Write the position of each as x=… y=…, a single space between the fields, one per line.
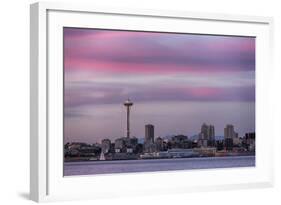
x=205 y=151
x=159 y=144
x=150 y=147
x=202 y=143
x=250 y=141
x=250 y=137
x=219 y=145
x=139 y=148
x=194 y=143
x=181 y=153
x=180 y=138
x=105 y=145
x=171 y=153
x=181 y=141
x=134 y=141
x=228 y=144
x=129 y=150
x=205 y=143
x=76 y=145
x=131 y=142
x=112 y=147
x=236 y=140
x=119 y=145
x=124 y=144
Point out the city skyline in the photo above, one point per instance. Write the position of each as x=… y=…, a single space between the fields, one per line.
x=195 y=136
x=177 y=82
x=177 y=146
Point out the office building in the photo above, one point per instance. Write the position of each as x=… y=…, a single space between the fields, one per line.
x=149 y=145
x=105 y=145
x=229 y=132
x=119 y=145
x=149 y=134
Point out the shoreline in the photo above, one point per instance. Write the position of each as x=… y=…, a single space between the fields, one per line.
x=159 y=165
x=151 y=159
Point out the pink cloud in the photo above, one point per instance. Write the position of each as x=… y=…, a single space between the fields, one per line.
x=204 y=92
x=121 y=51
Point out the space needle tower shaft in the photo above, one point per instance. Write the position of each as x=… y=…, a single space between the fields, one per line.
x=128 y=105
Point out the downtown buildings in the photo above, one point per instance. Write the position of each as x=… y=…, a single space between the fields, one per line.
x=177 y=146
x=149 y=145
x=130 y=147
x=206 y=137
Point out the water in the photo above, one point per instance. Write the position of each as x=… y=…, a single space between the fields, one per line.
x=123 y=166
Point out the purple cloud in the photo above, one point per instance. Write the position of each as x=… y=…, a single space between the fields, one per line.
x=120 y=51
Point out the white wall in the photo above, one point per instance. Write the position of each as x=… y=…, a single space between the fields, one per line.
x=14 y=104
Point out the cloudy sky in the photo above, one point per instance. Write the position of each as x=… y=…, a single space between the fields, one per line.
x=176 y=81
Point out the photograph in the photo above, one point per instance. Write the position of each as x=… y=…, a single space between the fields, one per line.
x=147 y=101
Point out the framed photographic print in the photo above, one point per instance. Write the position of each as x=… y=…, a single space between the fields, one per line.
x=123 y=97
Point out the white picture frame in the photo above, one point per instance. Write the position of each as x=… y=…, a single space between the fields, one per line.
x=46 y=180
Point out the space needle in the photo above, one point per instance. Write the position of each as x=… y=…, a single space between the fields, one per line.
x=128 y=104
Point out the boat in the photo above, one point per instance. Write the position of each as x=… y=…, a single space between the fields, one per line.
x=102 y=157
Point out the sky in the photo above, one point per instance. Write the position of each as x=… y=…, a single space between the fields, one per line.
x=176 y=81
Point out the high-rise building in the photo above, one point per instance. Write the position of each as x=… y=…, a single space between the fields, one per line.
x=204 y=131
x=149 y=133
x=207 y=132
x=207 y=136
x=149 y=145
x=211 y=132
x=229 y=132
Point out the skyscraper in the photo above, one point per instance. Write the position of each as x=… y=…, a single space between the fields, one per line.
x=207 y=136
x=149 y=145
x=211 y=132
x=229 y=132
x=149 y=133
x=204 y=131
x=207 y=132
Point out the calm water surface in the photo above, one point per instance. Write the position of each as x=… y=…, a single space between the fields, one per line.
x=127 y=166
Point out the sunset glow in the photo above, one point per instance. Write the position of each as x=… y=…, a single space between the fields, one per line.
x=158 y=71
